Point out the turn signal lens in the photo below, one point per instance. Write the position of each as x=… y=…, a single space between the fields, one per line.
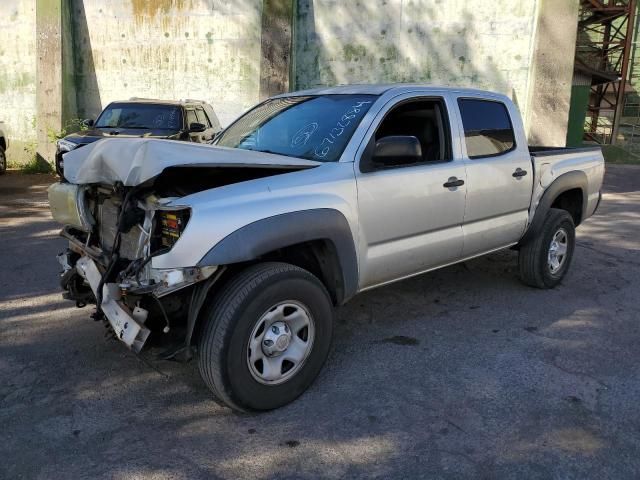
x=171 y=226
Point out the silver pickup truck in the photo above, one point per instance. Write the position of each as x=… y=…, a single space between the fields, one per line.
x=242 y=249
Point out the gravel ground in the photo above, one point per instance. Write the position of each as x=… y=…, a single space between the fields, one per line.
x=460 y=373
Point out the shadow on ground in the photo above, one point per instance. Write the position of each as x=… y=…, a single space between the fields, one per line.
x=460 y=373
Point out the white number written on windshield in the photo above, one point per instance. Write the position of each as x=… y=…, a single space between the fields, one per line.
x=347 y=118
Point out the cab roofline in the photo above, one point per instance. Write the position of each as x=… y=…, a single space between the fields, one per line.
x=380 y=89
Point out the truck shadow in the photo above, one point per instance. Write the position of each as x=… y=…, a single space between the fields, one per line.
x=462 y=372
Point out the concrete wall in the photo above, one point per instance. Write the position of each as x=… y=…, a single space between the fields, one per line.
x=234 y=52
x=523 y=48
x=552 y=72
x=169 y=49
x=485 y=44
x=18 y=74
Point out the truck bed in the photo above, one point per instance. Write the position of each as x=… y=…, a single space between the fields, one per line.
x=542 y=151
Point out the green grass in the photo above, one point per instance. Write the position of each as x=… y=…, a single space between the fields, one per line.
x=615 y=154
x=36 y=165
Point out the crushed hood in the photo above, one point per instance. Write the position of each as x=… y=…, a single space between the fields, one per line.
x=133 y=161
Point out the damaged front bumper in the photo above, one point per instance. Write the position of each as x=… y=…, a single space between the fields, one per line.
x=128 y=318
x=127 y=324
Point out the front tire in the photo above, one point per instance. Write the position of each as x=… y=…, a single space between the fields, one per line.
x=545 y=260
x=266 y=337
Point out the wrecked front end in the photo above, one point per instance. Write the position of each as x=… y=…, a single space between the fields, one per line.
x=135 y=240
x=114 y=233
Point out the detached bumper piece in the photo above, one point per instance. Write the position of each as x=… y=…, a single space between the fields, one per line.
x=128 y=325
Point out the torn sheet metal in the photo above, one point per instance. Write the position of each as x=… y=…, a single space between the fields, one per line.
x=133 y=161
x=126 y=324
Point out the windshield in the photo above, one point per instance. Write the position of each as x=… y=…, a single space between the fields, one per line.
x=141 y=116
x=310 y=127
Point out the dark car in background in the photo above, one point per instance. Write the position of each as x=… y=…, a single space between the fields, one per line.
x=186 y=120
x=4 y=144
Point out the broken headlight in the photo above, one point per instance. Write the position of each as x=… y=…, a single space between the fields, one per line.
x=170 y=225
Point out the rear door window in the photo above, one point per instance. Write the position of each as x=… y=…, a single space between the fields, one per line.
x=487 y=128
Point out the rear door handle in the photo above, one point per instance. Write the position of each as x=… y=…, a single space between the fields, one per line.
x=519 y=173
x=453 y=182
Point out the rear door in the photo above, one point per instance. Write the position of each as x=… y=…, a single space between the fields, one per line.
x=499 y=174
x=409 y=220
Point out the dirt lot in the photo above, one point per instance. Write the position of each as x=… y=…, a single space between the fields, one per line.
x=461 y=373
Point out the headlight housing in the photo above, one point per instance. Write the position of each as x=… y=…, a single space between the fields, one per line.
x=169 y=226
x=68 y=204
x=65 y=145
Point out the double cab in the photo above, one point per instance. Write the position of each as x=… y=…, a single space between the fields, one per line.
x=245 y=247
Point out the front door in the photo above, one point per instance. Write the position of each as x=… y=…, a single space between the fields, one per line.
x=410 y=221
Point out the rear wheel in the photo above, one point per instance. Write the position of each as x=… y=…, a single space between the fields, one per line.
x=267 y=336
x=545 y=259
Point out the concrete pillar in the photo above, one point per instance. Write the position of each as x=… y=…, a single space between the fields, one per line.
x=55 y=97
x=276 y=45
x=552 y=72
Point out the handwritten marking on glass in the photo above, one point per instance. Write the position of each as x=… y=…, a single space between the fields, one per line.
x=303 y=135
x=324 y=148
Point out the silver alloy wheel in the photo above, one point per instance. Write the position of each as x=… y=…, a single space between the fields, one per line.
x=280 y=342
x=558 y=250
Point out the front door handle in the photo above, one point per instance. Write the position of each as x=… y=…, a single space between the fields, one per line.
x=519 y=173
x=453 y=182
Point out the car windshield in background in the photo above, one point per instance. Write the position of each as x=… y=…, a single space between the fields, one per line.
x=310 y=127
x=141 y=116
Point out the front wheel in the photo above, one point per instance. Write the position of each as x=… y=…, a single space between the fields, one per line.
x=545 y=259
x=266 y=337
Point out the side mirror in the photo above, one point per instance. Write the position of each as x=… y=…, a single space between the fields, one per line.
x=89 y=122
x=197 y=127
x=397 y=150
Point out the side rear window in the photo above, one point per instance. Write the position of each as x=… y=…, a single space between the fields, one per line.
x=487 y=127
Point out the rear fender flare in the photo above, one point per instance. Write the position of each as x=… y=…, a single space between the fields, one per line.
x=563 y=183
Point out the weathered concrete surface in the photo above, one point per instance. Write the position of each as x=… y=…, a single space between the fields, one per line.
x=276 y=47
x=552 y=72
x=461 y=373
x=236 y=52
x=202 y=49
x=56 y=99
x=486 y=44
x=18 y=74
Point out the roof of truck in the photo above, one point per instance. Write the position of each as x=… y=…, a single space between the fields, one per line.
x=187 y=101
x=379 y=89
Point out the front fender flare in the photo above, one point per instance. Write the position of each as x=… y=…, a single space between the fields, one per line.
x=287 y=229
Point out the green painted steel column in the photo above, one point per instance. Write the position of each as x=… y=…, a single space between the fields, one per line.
x=577 y=114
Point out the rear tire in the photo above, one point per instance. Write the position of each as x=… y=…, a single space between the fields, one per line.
x=246 y=362
x=545 y=259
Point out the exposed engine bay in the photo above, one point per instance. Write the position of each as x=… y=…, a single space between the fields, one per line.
x=115 y=231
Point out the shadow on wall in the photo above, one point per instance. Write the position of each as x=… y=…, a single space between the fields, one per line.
x=88 y=99
x=362 y=43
